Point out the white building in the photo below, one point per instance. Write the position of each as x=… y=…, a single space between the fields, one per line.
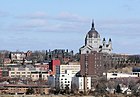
x=62 y=68
x=78 y=82
x=121 y=75
x=64 y=74
x=65 y=79
x=17 y=56
x=20 y=72
x=93 y=43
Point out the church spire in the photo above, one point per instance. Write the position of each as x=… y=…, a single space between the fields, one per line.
x=92 y=24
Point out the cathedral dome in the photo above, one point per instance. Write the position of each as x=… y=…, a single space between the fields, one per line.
x=93 y=32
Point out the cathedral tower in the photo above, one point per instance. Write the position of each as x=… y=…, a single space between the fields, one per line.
x=93 y=42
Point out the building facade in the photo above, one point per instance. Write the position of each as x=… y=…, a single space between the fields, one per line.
x=95 y=63
x=17 y=57
x=122 y=75
x=53 y=64
x=64 y=74
x=78 y=83
x=28 y=73
x=95 y=55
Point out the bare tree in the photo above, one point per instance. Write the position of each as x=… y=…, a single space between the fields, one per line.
x=74 y=88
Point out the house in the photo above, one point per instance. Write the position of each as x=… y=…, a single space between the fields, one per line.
x=17 y=57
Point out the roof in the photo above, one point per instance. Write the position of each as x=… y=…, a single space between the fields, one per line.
x=23 y=85
x=93 y=32
x=17 y=52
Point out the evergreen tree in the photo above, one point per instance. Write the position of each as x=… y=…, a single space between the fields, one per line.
x=118 y=89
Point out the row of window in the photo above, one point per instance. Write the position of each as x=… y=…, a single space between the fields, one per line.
x=20 y=72
x=65 y=82
x=20 y=76
x=28 y=76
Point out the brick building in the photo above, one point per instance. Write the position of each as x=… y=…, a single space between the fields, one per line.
x=63 y=55
x=0 y=73
x=53 y=64
x=95 y=63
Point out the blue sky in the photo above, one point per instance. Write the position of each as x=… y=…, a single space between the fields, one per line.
x=52 y=24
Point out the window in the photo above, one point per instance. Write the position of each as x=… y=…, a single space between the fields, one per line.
x=95 y=41
x=114 y=74
x=12 y=76
x=28 y=75
x=23 y=72
x=18 y=72
x=90 y=41
x=17 y=75
x=12 y=72
x=28 y=72
x=23 y=76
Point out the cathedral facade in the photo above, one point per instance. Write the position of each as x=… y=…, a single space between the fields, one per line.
x=93 y=43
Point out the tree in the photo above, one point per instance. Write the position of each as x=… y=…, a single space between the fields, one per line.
x=74 y=88
x=100 y=88
x=67 y=89
x=118 y=89
x=30 y=91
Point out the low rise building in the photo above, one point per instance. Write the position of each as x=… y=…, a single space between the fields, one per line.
x=42 y=66
x=22 y=89
x=121 y=75
x=17 y=57
x=20 y=72
x=28 y=72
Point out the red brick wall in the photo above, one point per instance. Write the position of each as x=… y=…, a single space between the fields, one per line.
x=0 y=72
x=54 y=63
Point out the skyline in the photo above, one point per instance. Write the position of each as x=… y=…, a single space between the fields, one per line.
x=41 y=25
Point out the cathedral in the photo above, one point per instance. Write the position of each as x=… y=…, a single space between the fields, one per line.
x=93 y=43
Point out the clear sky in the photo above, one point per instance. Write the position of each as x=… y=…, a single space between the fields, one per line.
x=54 y=24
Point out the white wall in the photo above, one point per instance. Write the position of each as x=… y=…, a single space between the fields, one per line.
x=120 y=75
x=64 y=74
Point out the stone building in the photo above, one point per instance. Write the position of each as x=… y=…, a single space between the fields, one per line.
x=93 y=43
x=95 y=57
